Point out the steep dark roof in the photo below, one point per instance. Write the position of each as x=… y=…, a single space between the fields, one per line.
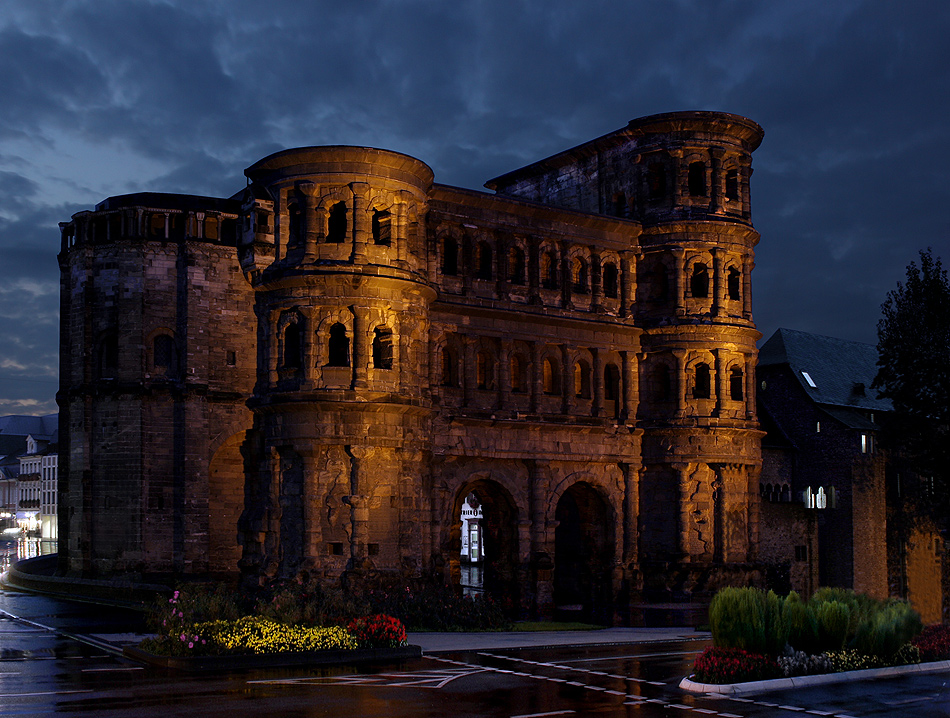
x=842 y=371
x=39 y=427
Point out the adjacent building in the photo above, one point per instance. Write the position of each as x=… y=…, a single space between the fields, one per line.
x=827 y=485
x=29 y=473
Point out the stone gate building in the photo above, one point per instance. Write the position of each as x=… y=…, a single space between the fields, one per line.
x=315 y=373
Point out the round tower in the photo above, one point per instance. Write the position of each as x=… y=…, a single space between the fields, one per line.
x=335 y=248
x=697 y=409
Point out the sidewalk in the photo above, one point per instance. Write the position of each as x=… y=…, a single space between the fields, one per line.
x=488 y=641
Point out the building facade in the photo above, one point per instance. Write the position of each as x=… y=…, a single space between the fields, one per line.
x=314 y=374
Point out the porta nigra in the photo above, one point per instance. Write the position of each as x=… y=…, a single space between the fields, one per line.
x=316 y=373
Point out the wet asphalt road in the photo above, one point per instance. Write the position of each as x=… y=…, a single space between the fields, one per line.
x=44 y=672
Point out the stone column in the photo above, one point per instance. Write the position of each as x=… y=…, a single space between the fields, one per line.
x=628 y=283
x=536 y=376
x=681 y=471
x=747 y=266
x=720 y=380
x=598 y=370
x=362 y=222
x=534 y=269
x=715 y=184
x=596 y=283
x=399 y=235
x=308 y=215
x=745 y=173
x=504 y=375
x=718 y=293
x=749 y=387
x=681 y=383
x=271 y=330
x=566 y=279
x=567 y=379
x=678 y=177
x=313 y=547
x=468 y=369
x=631 y=384
x=360 y=355
x=679 y=280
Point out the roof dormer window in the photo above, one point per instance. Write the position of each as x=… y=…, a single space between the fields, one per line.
x=811 y=382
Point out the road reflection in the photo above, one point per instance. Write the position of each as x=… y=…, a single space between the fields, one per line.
x=23 y=547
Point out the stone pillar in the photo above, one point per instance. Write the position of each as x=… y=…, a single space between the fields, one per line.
x=567 y=379
x=536 y=376
x=504 y=375
x=596 y=283
x=747 y=266
x=360 y=355
x=631 y=513
x=362 y=221
x=681 y=383
x=566 y=279
x=308 y=215
x=399 y=235
x=679 y=280
x=270 y=330
x=745 y=196
x=631 y=385
x=308 y=341
x=749 y=387
x=312 y=517
x=720 y=380
x=678 y=177
x=628 y=283
x=715 y=184
x=718 y=284
x=598 y=370
x=534 y=269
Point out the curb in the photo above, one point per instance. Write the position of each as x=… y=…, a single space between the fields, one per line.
x=273 y=660
x=780 y=684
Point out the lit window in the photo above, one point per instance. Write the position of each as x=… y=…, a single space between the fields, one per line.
x=811 y=382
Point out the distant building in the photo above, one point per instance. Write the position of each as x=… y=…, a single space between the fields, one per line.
x=824 y=476
x=29 y=474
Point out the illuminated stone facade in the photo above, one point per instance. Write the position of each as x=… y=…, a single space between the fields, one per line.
x=314 y=374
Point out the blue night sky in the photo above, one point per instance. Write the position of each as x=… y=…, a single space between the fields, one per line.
x=108 y=97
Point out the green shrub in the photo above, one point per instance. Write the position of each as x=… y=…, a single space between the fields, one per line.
x=887 y=629
x=834 y=625
x=749 y=619
x=801 y=624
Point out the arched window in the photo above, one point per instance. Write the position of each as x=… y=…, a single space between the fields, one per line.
x=620 y=204
x=517 y=374
x=696 y=179
x=699 y=282
x=516 y=265
x=579 y=275
x=662 y=383
x=610 y=280
x=450 y=256
x=484 y=261
x=164 y=356
x=338 y=348
x=611 y=382
x=449 y=368
x=381 y=227
x=732 y=185
x=109 y=356
x=548 y=270
x=735 y=384
x=382 y=348
x=484 y=370
x=294 y=222
x=293 y=355
x=336 y=223
x=702 y=386
x=550 y=377
x=733 y=283
x=582 y=379
x=656 y=180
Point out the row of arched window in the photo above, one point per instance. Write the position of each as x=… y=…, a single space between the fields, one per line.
x=337 y=224
x=337 y=347
x=552 y=381
x=700 y=384
x=513 y=267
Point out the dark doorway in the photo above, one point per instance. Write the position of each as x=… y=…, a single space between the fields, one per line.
x=583 y=545
x=499 y=540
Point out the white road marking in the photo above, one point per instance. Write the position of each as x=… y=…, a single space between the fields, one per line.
x=543 y=715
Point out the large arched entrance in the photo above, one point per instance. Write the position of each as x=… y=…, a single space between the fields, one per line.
x=583 y=556
x=498 y=537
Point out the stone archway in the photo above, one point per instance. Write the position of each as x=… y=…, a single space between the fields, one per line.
x=583 y=556
x=499 y=536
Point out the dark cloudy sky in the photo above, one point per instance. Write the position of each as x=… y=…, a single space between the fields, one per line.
x=105 y=97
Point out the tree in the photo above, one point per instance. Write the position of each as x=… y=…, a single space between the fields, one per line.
x=914 y=373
